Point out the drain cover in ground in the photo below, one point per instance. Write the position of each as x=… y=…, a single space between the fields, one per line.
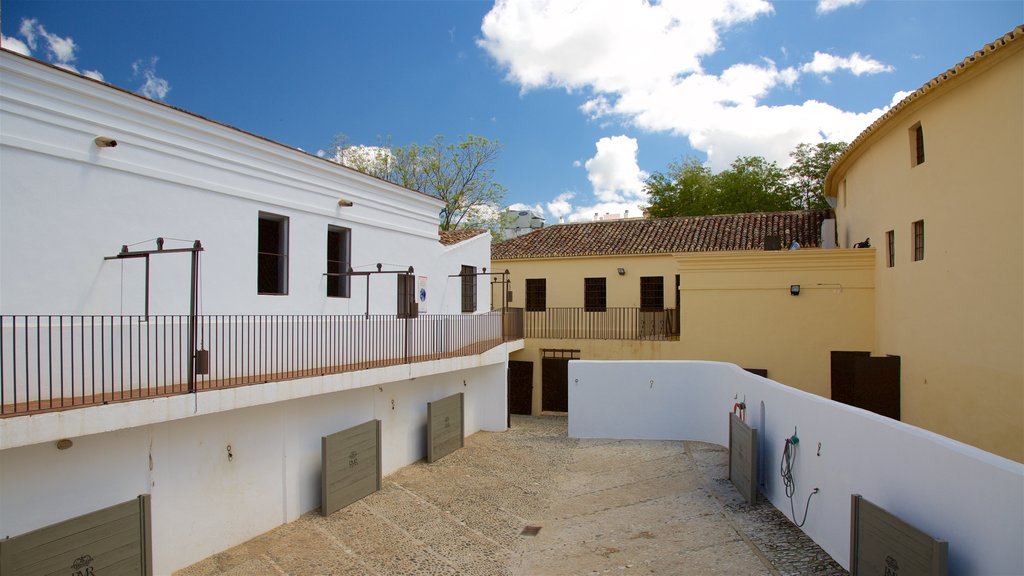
x=530 y=531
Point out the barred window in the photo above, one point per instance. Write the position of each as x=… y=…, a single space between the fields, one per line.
x=468 y=288
x=595 y=294
x=918 y=240
x=890 y=241
x=652 y=293
x=536 y=294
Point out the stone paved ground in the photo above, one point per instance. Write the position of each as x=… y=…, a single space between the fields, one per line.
x=602 y=506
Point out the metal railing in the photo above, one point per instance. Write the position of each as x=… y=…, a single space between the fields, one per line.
x=60 y=361
x=606 y=324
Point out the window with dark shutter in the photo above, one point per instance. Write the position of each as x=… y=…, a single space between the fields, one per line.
x=468 y=288
x=272 y=254
x=339 y=260
x=890 y=241
x=407 y=306
x=917 y=144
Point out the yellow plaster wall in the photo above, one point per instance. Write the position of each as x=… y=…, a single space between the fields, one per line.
x=956 y=318
x=735 y=307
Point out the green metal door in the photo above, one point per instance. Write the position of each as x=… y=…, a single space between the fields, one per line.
x=350 y=467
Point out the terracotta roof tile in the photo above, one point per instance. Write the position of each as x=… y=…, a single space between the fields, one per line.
x=666 y=235
x=449 y=237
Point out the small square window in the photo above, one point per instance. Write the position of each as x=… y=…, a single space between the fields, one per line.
x=918 y=240
x=890 y=242
x=272 y=254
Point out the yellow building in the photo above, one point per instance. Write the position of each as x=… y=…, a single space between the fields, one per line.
x=937 y=184
x=685 y=288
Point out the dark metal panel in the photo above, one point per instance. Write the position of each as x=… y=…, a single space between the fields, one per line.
x=351 y=467
x=554 y=385
x=842 y=375
x=743 y=458
x=445 y=426
x=114 y=540
x=520 y=387
x=881 y=543
x=877 y=385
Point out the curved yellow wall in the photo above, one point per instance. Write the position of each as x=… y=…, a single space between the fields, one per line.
x=955 y=318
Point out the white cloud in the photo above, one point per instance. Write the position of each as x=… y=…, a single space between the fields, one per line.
x=536 y=208
x=15 y=45
x=826 y=6
x=60 y=51
x=641 y=62
x=561 y=206
x=614 y=172
x=576 y=163
x=152 y=85
x=825 y=63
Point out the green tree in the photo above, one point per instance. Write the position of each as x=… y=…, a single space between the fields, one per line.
x=751 y=184
x=685 y=189
x=459 y=173
x=806 y=175
x=688 y=188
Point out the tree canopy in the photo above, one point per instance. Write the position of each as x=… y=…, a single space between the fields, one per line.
x=459 y=173
x=749 y=184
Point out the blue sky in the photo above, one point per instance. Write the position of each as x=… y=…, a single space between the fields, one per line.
x=588 y=97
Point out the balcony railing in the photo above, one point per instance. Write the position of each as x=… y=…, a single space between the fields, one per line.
x=59 y=362
x=606 y=324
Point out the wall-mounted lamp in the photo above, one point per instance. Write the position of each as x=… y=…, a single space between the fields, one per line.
x=794 y=289
x=621 y=271
x=105 y=142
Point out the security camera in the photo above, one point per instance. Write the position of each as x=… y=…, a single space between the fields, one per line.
x=105 y=142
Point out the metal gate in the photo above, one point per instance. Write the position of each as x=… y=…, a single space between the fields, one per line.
x=445 y=426
x=350 y=467
x=114 y=540
x=520 y=387
x=868 y=382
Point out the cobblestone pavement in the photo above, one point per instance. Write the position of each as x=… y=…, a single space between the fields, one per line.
x=601 y=506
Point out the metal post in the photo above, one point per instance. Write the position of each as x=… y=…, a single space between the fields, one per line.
x=192 y=320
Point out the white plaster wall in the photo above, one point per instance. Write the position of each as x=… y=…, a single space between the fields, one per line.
x=970 y=498
x=66 y=204
x=202 y=502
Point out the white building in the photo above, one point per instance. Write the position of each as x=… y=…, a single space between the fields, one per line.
x=293 y=350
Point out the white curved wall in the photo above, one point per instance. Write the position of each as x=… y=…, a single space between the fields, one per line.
x=970 y=498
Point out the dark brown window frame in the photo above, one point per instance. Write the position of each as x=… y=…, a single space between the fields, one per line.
x=918 y=240
x=339 y=260
x=652 y=292
x=468 y=280
x=407 y=306
x=917 y=144
x=595 y=294
x=536 y=294
x=271 y=260
x=890 y=243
